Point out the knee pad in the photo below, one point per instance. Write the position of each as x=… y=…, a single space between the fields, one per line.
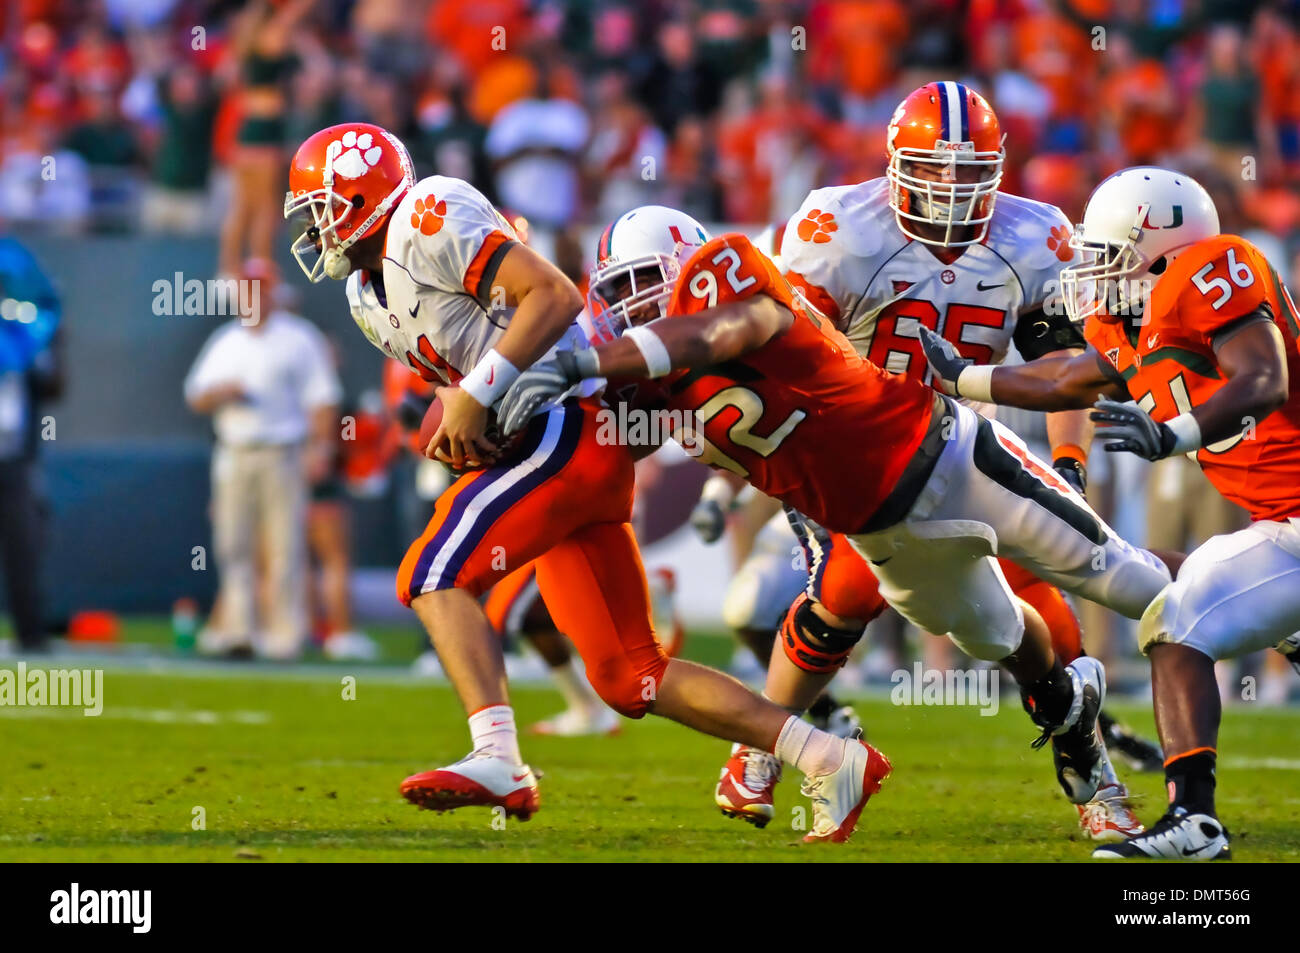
x=1152 y=629
x=811 y=643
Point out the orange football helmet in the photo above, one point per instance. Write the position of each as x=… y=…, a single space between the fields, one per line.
x=347 y=178
x=945 y=162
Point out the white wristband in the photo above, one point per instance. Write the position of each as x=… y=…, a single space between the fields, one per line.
x=976 y=383
x=652 y=350
x=1187 y=433
x=490 y=379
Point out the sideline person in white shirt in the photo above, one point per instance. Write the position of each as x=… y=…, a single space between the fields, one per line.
x=268 y=380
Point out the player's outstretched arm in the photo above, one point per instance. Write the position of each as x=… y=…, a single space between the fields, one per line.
x=1049 y=383
x=717 y=334
x=1253 y=360
x=1069 y=434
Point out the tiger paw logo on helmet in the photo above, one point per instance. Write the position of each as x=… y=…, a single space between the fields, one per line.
x=1058 y=240
x=428 y=214
x=817 y=227
x=354 y=154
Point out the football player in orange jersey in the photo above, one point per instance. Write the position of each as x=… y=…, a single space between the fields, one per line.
x=935 y=243
x=1196 y=328
x=923 y=487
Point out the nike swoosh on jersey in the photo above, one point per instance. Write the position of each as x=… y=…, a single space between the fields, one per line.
x=981 y=286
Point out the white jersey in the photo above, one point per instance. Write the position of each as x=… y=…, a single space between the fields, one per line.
x=434 y=308
x=844 y=251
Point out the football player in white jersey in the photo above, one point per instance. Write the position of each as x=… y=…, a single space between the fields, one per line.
x=438 y=280
x=932 y=243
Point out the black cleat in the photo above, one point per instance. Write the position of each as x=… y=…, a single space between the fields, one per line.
x=1076 y=746
x=1176 y=836
x=1134 y=750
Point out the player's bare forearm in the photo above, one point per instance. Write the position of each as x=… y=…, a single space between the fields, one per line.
x=1254 y=361
x=1056 y=383
x=545 y=301
x=1068 y=427
x=698 y=340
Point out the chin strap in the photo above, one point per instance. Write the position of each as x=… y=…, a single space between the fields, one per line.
x=335 y=264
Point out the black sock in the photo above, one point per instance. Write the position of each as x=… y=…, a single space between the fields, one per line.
x=1048 y=699
x=1191 y=782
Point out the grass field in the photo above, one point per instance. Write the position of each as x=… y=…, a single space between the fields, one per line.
x=285 y=769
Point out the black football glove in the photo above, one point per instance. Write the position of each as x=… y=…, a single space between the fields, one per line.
x=542 y=382
x=944 y=360
x=708 y=520
x=1073 y=472
x=1129 y=427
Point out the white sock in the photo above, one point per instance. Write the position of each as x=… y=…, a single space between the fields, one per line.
x=574 y=688
x=809 y=749
x=493 y=730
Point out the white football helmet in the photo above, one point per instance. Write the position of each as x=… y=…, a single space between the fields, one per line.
x=638 y=259
x=1136 y=222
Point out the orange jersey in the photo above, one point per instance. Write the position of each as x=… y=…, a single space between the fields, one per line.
x=803 y=418
x=1170 y=366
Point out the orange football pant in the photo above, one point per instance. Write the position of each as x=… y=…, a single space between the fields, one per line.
x=564 y=500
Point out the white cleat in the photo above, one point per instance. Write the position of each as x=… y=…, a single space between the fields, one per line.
x=426 y=665
x=1108 y=817
x=839 y=797
x=1176 y=836
x=579 y=723
x=478 y=778
x=350 y=647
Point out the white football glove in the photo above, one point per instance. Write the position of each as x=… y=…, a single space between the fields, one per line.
x=944 y=360
x=542 y=382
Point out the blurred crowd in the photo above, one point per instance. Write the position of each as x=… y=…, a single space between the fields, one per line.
x=179 y=115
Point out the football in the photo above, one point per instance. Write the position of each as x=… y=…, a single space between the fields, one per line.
x=433 y=419
x=431 y=422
